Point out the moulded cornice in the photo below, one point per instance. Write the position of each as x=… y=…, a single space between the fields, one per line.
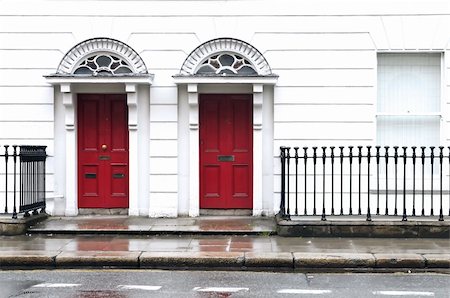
x=133 y=79
x=264 y=80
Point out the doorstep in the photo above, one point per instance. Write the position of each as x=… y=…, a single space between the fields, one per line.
x=132 y=225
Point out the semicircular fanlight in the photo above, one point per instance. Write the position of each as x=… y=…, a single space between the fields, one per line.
x=226 y=64
x=103 y=65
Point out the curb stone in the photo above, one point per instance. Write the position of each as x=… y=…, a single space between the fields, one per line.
x=437 y=260
x=221 y=260
x=27 y=259
x=269 y=260
x=231 y=260
x=399 y=260
x=333 y=260
x=98 y=259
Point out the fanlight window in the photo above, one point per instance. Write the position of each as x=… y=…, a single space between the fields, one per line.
x=103 y=65
x=224 y=64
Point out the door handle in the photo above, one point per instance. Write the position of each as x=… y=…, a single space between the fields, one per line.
x=104 y=147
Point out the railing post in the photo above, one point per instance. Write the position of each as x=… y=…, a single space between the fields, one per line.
x=414 y=179
x=15 y=180
x=431 y=179
x=296 y=180
x=395 y=179
x=350 y=155
x=404 y=184
x=305 y=149
x=341 y=158
x=386 y=157
x=44 y=170
x=6 y=178
x=282 y=202
x=288 y=191
x=369 y=217
x=332 y=180
x=359 y=178
x=378 y=178
x=314 y=162
x=441 y=157
x=423 y=180
x=449 y=180
x=323 y=182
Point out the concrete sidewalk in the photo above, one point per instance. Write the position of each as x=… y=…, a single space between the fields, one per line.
x=241 y=243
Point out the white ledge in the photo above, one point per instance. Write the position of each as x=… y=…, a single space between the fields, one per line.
x=265 y=80
x=56 y=79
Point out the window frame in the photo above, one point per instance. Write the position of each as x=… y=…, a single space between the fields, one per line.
x=442 y=114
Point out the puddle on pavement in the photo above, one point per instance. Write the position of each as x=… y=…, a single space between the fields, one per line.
x=13 y=288
x=99 y=294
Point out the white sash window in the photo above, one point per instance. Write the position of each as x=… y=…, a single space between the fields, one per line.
x=409 y=105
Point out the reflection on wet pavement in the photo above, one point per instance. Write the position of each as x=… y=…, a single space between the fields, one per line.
x=217 y=243
x=142 y=224
x=99 y=294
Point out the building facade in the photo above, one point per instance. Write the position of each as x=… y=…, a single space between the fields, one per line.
x=176 y=108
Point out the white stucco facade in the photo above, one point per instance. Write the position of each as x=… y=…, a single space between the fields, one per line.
x=315 y=82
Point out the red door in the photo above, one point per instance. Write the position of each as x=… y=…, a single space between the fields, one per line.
x=102 y=151
x=226 y=151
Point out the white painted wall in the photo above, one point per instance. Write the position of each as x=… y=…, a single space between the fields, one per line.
x=323 y=51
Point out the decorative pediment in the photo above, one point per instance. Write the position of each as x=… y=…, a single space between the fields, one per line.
x=225 y=57
x=101 y=56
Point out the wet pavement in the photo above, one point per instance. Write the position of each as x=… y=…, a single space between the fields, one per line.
x=143 y=225
x=220 y=243
x=236 y=243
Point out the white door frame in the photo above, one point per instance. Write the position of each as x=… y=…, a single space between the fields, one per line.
x=68 y=89
x=257 y=87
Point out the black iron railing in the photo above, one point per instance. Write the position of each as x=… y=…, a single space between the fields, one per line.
x=23 y=186
x=397 y=181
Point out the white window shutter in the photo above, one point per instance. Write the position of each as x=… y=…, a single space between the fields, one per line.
x=408 y=105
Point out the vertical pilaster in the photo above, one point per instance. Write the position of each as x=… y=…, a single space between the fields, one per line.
x=257 y=149
x=194 y=181
x=71 y=193
x=133 y=161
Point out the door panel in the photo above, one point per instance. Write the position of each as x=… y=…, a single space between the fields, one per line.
x=119 y=127
x=212 y=188
x=119 y=187
x=241 y=129
x=90 y=174
x=89 y=112
x=212 y=129
x=226 y=151
x=102 y=151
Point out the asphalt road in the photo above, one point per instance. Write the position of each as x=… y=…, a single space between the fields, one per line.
x=153 y=283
